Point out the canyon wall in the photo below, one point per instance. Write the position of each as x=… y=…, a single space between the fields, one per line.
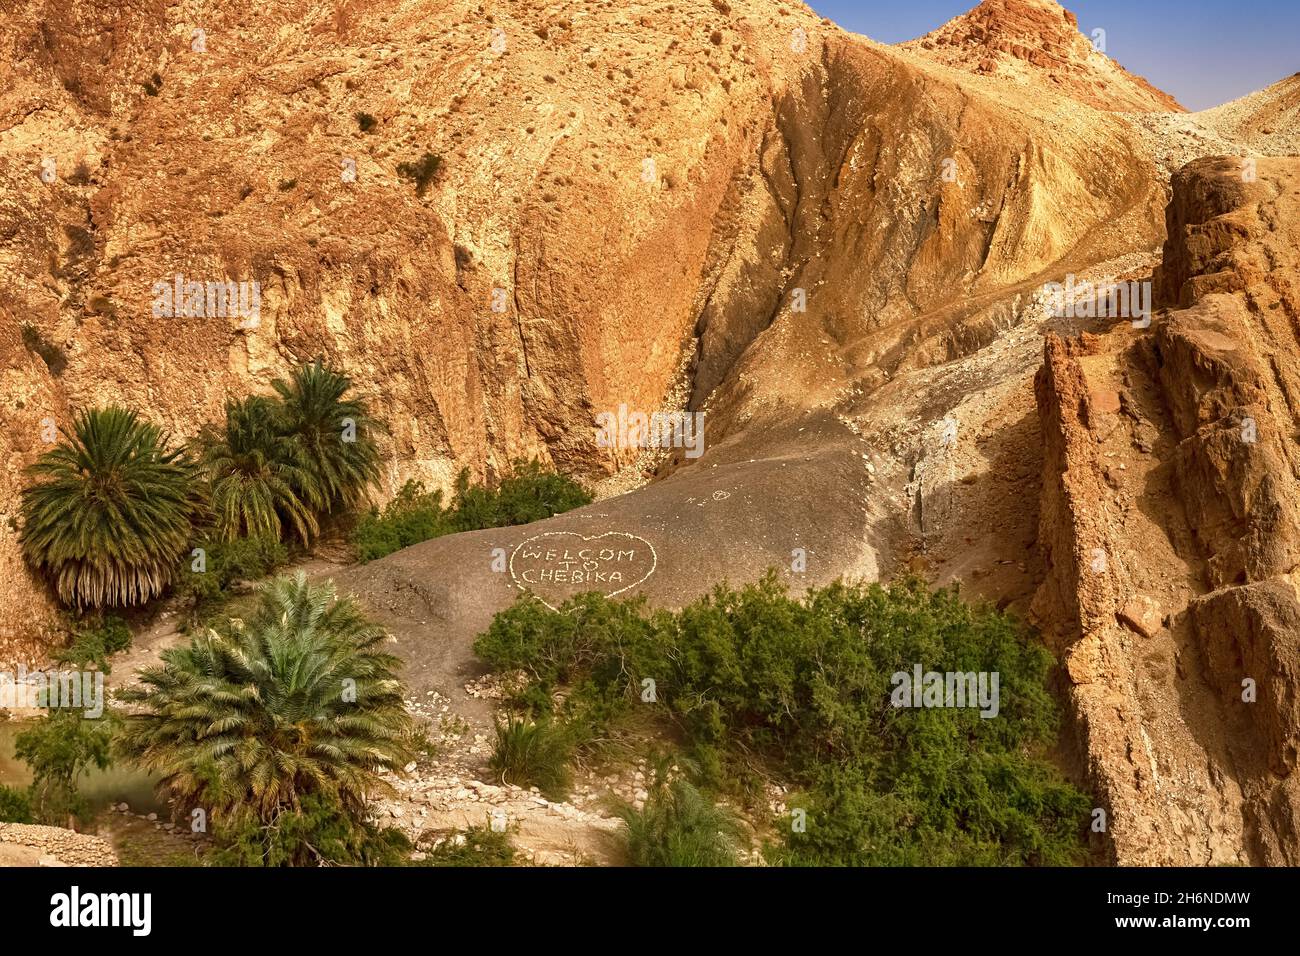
x=1170 y=520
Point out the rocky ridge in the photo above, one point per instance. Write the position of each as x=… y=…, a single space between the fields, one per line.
x=1038 y=42
x=1169 y=529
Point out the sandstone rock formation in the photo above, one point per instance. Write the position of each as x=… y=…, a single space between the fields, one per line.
x=1192 y=733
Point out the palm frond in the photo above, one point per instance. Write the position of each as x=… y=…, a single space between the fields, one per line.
x=337 y=432
x=252 y=716
x=110 y=510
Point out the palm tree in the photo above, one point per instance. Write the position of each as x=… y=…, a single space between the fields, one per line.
x=337 y=432
x=260 y=476
x=109 y=523
x=254 y=716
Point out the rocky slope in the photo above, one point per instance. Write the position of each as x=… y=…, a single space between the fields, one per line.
x=26 y=845
x=632 y=185
x=1266 y=121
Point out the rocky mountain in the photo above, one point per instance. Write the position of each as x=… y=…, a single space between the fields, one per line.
x=835 y=250
x=1038 y=43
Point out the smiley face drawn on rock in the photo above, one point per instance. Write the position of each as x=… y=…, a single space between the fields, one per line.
x=559 y=564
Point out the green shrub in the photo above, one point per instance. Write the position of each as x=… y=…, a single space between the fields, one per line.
x=15 y=806
x=572 y=648
x=679 y=826
x=415 y=515
x=94 y=642
x=480 y=846
x=318 y=832
x=366 y=122
x=989 y=809
x=59 y=748
x=421 y=172
x=224 y=564
x=803 y=686
x=534 y=753
x=528 y=493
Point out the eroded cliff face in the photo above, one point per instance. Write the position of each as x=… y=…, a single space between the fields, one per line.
x=1170 y=523
x=550 y=272
x=1227 y=366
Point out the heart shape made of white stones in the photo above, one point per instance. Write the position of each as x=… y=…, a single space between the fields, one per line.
x=610 y=563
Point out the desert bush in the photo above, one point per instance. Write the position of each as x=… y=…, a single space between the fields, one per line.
x=577 y=647
x=319 y=831
x=679 y=826
x=534 y=753
x=94 y=641
x=15 y=806
x=477 y=846
x=414 y=515
x=226 y=564
x=986 y=809
x=802 y=687
x=422 y=172
x=366 y=122
x=528 y=493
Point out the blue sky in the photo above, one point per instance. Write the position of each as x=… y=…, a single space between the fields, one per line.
x=1204 y=52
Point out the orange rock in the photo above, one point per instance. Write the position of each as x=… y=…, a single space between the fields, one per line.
x=1142 y=614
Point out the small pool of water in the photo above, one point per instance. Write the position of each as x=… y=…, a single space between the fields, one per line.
x=120 y=783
